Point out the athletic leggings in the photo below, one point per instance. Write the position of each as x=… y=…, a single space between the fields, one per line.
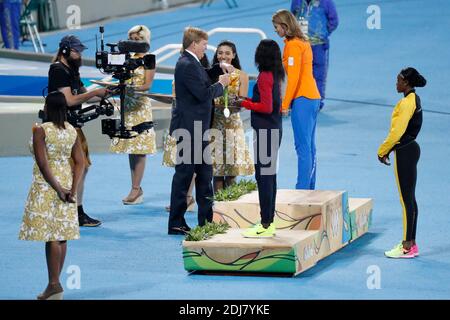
x=406 y=158
x=266 y=146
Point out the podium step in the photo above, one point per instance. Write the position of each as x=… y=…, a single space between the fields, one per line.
x=290 y=251
x=324 y=211
x=310 y=225
x=294 y=210
x=360 y=212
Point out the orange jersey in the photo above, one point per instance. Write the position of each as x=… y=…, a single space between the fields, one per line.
x=297 y=62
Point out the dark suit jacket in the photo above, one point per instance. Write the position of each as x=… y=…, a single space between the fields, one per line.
x=194 y=94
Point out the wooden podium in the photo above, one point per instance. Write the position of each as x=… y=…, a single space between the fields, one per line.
x=310 y=225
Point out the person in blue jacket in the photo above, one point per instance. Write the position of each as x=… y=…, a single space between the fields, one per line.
x=10 y=22
x=318 y=19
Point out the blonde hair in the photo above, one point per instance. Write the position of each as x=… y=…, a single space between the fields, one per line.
x=193 y=34
x=142 y=31
x=289 y=23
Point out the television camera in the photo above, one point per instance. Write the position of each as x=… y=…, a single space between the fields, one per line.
x=119 y=62
x=121 y=65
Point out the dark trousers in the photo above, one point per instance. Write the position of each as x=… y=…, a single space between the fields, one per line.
x=406 y=159
x=203 y=193
x=320 y=68
x=265 y=172
x=10 y=23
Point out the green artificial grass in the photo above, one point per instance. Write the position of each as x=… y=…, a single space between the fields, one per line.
x=235 y=191
x=207 y=231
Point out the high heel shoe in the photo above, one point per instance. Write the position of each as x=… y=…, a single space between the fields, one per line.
x=139 y=198
x=52 y=292
x=190 y=205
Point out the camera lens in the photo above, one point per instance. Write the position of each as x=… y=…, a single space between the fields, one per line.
x=109 y=111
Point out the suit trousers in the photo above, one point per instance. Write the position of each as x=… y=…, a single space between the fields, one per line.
x=203 y=193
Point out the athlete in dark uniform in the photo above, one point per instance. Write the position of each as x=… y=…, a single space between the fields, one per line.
x=405 y=126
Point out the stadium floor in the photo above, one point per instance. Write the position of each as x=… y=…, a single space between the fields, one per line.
x=131 y=257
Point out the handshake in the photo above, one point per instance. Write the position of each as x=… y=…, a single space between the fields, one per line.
x=224 y=79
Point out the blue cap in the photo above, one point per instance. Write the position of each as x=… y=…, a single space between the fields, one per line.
x=72 y=42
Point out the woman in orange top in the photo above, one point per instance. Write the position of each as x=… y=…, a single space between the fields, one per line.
x=301 y=96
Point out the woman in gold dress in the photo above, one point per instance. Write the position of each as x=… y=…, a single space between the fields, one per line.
x=230 y=154
x=51 y=210
x=138 y=110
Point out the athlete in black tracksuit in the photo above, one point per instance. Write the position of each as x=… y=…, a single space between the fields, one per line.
x=405 y=126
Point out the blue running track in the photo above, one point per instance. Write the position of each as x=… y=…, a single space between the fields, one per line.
x=131 y=257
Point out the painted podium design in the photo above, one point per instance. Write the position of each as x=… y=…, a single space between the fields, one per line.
x=310 y=225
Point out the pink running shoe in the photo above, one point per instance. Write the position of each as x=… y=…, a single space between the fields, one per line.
x=415 y=250
x=398 y=252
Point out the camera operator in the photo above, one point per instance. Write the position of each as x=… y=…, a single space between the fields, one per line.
x=64 y=76
x=137 y=110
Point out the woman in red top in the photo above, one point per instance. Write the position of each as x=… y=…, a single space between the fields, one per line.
x=266 y=121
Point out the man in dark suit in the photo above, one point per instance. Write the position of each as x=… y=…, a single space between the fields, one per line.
x=191 y=119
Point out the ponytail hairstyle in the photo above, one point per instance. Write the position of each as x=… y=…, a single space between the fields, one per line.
x=56 y=108
x=413 y=77
x=290 y=24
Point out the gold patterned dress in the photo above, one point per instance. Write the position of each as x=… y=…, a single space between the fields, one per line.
x=169 y=142
x=46 y=217
x=137 y=110
x=169 y=149
x=230 y=154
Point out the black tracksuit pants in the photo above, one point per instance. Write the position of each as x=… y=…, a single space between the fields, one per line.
x=406 y=159
x=266 y=156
